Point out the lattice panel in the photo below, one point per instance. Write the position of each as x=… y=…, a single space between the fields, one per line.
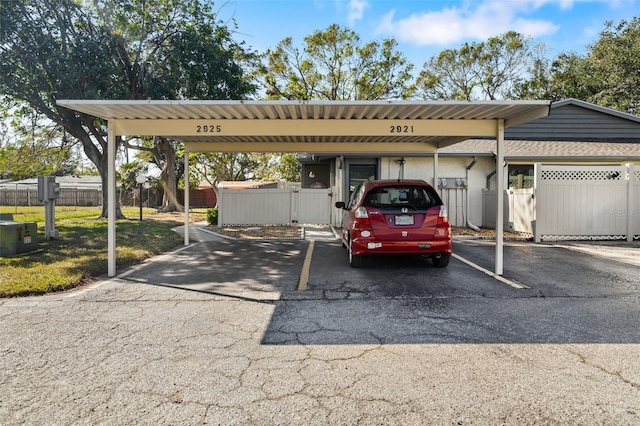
x=637 y=173
x=582 y=237
x=582 y=175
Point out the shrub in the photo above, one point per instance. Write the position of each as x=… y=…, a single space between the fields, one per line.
x=212 y=216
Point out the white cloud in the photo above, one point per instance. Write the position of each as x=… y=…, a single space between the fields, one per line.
x=471 y=20
x=356 y=10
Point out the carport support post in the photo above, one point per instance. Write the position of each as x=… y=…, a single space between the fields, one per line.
x=500 y=196
x=111 y=199
x=186 y=196
x=435 y=169
x=631 y=202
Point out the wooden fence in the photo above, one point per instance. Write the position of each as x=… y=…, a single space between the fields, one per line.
x=68 y=197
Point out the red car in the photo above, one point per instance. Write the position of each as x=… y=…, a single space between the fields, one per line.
x=396 y=217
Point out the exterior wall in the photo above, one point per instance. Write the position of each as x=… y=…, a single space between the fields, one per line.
x=575 y=122
x=462 y=204
x=199 y=197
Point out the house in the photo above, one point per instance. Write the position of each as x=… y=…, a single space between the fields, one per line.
x=575 y=134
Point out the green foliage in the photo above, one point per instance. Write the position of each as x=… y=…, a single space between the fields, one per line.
x=614 y=65
x=33 y=146
x=485 y=70
x=129 y=172
x=287 y=167
x=219 y=167
x=212 y=216
x=116 y=49
x=335 y=64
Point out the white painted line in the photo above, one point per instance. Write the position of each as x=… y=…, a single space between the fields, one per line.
x=490 y=273
x=304 y=274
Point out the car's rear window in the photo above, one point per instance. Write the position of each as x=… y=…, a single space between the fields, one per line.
x=417 y=197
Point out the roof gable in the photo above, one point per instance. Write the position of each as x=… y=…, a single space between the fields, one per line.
x=572 y=119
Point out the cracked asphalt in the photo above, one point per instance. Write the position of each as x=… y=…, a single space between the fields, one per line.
x=217 y=333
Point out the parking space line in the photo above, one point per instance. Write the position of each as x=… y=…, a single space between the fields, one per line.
x=488 y=272
x=304 y=274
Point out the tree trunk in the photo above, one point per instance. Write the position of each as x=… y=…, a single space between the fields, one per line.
x=97 y=153
x=168 y=179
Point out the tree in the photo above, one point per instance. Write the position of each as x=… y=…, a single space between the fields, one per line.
x=52 y=50
x=173 y=49
x=614 y=62
x=218 y=167
x=33 y=146
x=486 y=70
x=120 y=49
x=335 y=64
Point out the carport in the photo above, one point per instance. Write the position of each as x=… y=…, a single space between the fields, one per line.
x=345 y=127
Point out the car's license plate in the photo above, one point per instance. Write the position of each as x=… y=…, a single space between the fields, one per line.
x=404 y=220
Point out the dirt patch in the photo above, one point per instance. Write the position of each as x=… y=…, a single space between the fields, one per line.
x=259 y=232
x=483 y=232
x=295 y=232
x=174 y=218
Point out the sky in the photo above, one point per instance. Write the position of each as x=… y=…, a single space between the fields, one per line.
x=424 y=28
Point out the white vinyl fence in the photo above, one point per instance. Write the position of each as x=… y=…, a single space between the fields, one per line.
x=587 y=202
x=274 y=206
x=573 y=203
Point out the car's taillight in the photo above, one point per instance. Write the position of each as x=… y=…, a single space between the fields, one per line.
x=442 y=216
x=362 y=217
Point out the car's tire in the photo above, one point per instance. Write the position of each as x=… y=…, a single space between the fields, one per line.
x=355 y=261
x=442 y=261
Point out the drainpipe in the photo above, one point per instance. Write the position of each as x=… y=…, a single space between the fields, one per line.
x=489 y=176
x=469 y=224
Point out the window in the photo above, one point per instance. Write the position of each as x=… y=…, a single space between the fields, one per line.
x=358 y=173
x=356 y=196
x=521 y=176
x=415 y=197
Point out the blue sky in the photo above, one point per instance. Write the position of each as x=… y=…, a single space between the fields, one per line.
x=423 y=28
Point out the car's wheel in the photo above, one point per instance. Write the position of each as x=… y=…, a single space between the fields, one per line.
x=442 y=261
x=355 y=261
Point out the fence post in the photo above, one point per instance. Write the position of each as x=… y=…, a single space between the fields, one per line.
x=631 y=202
x=537 y=183
x=220 y=203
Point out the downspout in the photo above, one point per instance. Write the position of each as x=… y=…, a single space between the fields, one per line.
x=469 y=224
x=489 y=176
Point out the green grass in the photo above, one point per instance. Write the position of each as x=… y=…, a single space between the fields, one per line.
x=80 y=252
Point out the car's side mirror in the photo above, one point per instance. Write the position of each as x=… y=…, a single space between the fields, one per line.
x=341 y=205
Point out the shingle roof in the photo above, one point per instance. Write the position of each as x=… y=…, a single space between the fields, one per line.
x=565 y=150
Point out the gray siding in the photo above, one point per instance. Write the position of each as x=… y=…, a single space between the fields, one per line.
x=573 y=122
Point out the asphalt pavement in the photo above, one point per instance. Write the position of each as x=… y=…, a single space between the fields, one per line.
x=218 y=332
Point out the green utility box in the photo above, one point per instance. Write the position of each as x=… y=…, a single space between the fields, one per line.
x=17 y=237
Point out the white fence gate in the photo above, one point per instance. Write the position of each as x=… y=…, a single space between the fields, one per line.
x=519 y=210
x=274 y=206
x=572 y=203
x=587 y=202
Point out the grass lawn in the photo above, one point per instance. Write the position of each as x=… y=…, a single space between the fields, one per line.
x=80 y=252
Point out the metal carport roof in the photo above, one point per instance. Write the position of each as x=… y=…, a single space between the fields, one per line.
x=347 y=127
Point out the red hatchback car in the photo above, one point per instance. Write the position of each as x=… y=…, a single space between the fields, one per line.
x=396 y=217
